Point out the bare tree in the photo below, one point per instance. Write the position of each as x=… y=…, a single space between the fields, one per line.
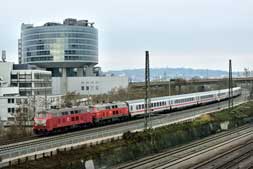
x=71 y=99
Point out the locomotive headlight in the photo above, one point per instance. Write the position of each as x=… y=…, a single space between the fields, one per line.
x=40 y=122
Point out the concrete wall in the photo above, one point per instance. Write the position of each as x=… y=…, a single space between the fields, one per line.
x=9 y=91
x=89 y=85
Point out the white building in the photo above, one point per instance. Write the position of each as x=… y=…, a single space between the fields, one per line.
x=88 y=85
x=11 y=105
x=7 y=105
x=32 y=82
x=24 y=88
x=5 y=72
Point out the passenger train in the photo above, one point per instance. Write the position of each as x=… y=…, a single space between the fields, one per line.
x=60 y=120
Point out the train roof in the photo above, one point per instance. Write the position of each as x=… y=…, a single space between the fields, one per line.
x=180 y=96
x=109 y=104
x=66 y=109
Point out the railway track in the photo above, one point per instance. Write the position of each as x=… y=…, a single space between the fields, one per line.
x=134 y=121
x=38 y=144
x=227 y=159
x=16 y=140
x=173 y=157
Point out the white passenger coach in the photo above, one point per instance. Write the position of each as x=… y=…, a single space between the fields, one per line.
x=159 y=104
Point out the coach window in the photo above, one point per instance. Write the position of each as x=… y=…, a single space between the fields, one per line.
x=142 y=106
x=131 y=108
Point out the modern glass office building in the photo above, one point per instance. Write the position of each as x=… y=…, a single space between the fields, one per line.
x=68 y=49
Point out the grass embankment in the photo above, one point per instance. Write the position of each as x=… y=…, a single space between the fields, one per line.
x=139 y=144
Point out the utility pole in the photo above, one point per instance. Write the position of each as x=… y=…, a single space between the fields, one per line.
x=230 y=86
x=147 y=84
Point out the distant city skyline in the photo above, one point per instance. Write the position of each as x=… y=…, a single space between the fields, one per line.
x=178 y=33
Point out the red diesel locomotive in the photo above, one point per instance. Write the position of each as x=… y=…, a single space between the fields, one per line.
x=60 y=120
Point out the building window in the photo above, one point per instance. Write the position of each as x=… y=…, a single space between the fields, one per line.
x=11 y=110
x=87 y=88
x=25 y=84
x=10 y=100
x=14 y=76
x=82 y=87
x=14 y=84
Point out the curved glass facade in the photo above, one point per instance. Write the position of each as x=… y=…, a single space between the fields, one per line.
x=60 y=44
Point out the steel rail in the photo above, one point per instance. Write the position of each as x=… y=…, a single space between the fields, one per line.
x=242 y=130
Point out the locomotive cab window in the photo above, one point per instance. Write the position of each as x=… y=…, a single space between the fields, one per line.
x=42 y=114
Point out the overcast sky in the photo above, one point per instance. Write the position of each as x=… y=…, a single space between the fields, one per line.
x=178 y=33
